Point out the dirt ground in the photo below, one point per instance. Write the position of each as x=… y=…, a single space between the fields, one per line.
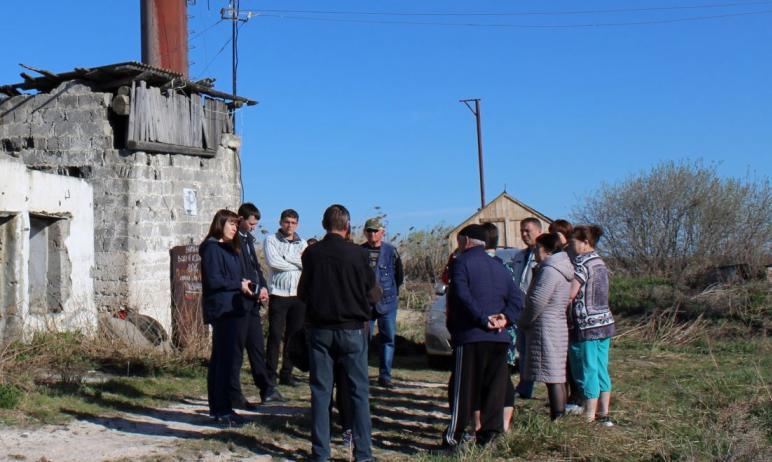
x=183 y=430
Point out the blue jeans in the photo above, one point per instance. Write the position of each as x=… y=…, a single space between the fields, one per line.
x=524 y=387
x=387 y=332
x=349 y=349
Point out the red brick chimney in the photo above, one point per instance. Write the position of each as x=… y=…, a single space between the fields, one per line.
x=165 y=34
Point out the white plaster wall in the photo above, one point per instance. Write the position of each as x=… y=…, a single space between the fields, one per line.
x=25 y=191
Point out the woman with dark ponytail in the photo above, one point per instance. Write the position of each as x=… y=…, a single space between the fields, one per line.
x=591 y=324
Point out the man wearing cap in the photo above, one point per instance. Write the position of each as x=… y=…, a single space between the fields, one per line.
x=385 y=262
x=482 y=301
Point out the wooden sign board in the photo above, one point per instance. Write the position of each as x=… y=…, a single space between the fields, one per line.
x=187 y=317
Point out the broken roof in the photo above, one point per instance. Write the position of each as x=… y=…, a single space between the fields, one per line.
x=112 y=76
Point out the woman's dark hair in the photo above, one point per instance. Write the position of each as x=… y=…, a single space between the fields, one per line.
x=589 y=233
x=549 y=242
x=218 y=225
x=561 y=226
x=336 y=218
x=492 y=235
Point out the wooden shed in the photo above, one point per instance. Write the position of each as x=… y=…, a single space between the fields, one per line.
x=505 y=212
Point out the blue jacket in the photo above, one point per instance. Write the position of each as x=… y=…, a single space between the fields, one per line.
x=480 y=286
x=389 y=275
x=221 y=274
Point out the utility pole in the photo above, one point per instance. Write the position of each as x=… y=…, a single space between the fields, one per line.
x=234 y=39
x=476 y=112
x=232 y=14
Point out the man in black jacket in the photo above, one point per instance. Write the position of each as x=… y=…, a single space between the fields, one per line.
x=337 y=286
x=251 y=328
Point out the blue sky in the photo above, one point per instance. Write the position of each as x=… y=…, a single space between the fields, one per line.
x=368 y=115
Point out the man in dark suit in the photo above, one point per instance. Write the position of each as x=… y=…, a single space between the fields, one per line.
x=251 y=329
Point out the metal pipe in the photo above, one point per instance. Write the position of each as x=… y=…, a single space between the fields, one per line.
x=164 y=26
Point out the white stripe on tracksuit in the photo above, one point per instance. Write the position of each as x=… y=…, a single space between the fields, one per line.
x=451 y=432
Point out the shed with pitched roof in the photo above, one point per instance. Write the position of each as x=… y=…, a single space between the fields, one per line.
x=506 y=213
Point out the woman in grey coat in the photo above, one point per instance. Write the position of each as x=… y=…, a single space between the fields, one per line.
x=544 y=320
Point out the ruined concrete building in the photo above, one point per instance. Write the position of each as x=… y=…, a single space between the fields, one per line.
x=102 y=172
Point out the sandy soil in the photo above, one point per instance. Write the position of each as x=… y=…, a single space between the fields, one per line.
x=155 y=435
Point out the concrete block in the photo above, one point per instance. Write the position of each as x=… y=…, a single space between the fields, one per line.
x=136 y=244
x=94 y=99
x=67 y=102
x=72 y=87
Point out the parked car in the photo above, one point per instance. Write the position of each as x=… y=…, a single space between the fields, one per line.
x=437 y=337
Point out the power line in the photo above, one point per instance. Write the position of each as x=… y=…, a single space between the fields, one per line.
x=519 y=26
x=225 y=45
x=524 y=13
x=199 y=34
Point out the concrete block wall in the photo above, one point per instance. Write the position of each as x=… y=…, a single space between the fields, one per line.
x=24 y=192
x=138 y=197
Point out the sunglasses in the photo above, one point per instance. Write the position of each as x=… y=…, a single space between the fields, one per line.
x=371 y=230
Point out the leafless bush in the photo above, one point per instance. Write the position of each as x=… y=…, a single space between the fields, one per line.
x=424 y=253
x=680 y=218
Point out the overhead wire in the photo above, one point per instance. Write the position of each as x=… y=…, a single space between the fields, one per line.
x=227 y=42
x=199 y=34
x=517 y=26
x=525 y=13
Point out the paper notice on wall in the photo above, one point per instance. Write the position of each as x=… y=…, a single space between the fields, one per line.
x=190 y=201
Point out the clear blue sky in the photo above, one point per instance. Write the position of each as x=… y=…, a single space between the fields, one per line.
x=367 y=114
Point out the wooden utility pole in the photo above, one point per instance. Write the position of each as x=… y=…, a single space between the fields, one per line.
x=476 y=112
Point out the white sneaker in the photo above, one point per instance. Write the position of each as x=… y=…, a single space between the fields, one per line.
x=605 y=421
x=574 y=409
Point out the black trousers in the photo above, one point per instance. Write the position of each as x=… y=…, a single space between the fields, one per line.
x=479 y=377
x=225 y=349
x=286 y=316
x=250 y=337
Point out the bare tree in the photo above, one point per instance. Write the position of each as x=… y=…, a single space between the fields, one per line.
x=680 y=218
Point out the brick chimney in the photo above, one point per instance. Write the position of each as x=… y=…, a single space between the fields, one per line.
x=165 y=34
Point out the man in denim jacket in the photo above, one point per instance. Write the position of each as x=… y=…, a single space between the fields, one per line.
x=385 y=261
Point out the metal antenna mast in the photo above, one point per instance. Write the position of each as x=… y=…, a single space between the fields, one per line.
x=476 y=112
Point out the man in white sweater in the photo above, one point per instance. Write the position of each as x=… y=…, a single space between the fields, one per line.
x=286 y=312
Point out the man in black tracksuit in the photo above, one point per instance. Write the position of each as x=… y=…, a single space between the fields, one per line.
x=482 y=300
x=251 y=328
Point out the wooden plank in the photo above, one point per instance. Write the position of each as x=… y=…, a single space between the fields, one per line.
x=150 y=146
x=132 y=112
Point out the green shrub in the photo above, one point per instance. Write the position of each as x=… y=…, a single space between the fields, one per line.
x=9 y=396
x=632 y=295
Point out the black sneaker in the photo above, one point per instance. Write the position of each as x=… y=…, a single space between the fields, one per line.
x=273 y=396
x=385 y=383
x=232 y=420
x=288 y=380
x=246 y=406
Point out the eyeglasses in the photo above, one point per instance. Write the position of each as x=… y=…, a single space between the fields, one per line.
x=370 y=230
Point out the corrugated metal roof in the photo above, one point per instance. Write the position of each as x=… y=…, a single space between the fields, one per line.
x=112 y=76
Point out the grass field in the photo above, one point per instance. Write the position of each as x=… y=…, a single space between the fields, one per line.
x=708 y=400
